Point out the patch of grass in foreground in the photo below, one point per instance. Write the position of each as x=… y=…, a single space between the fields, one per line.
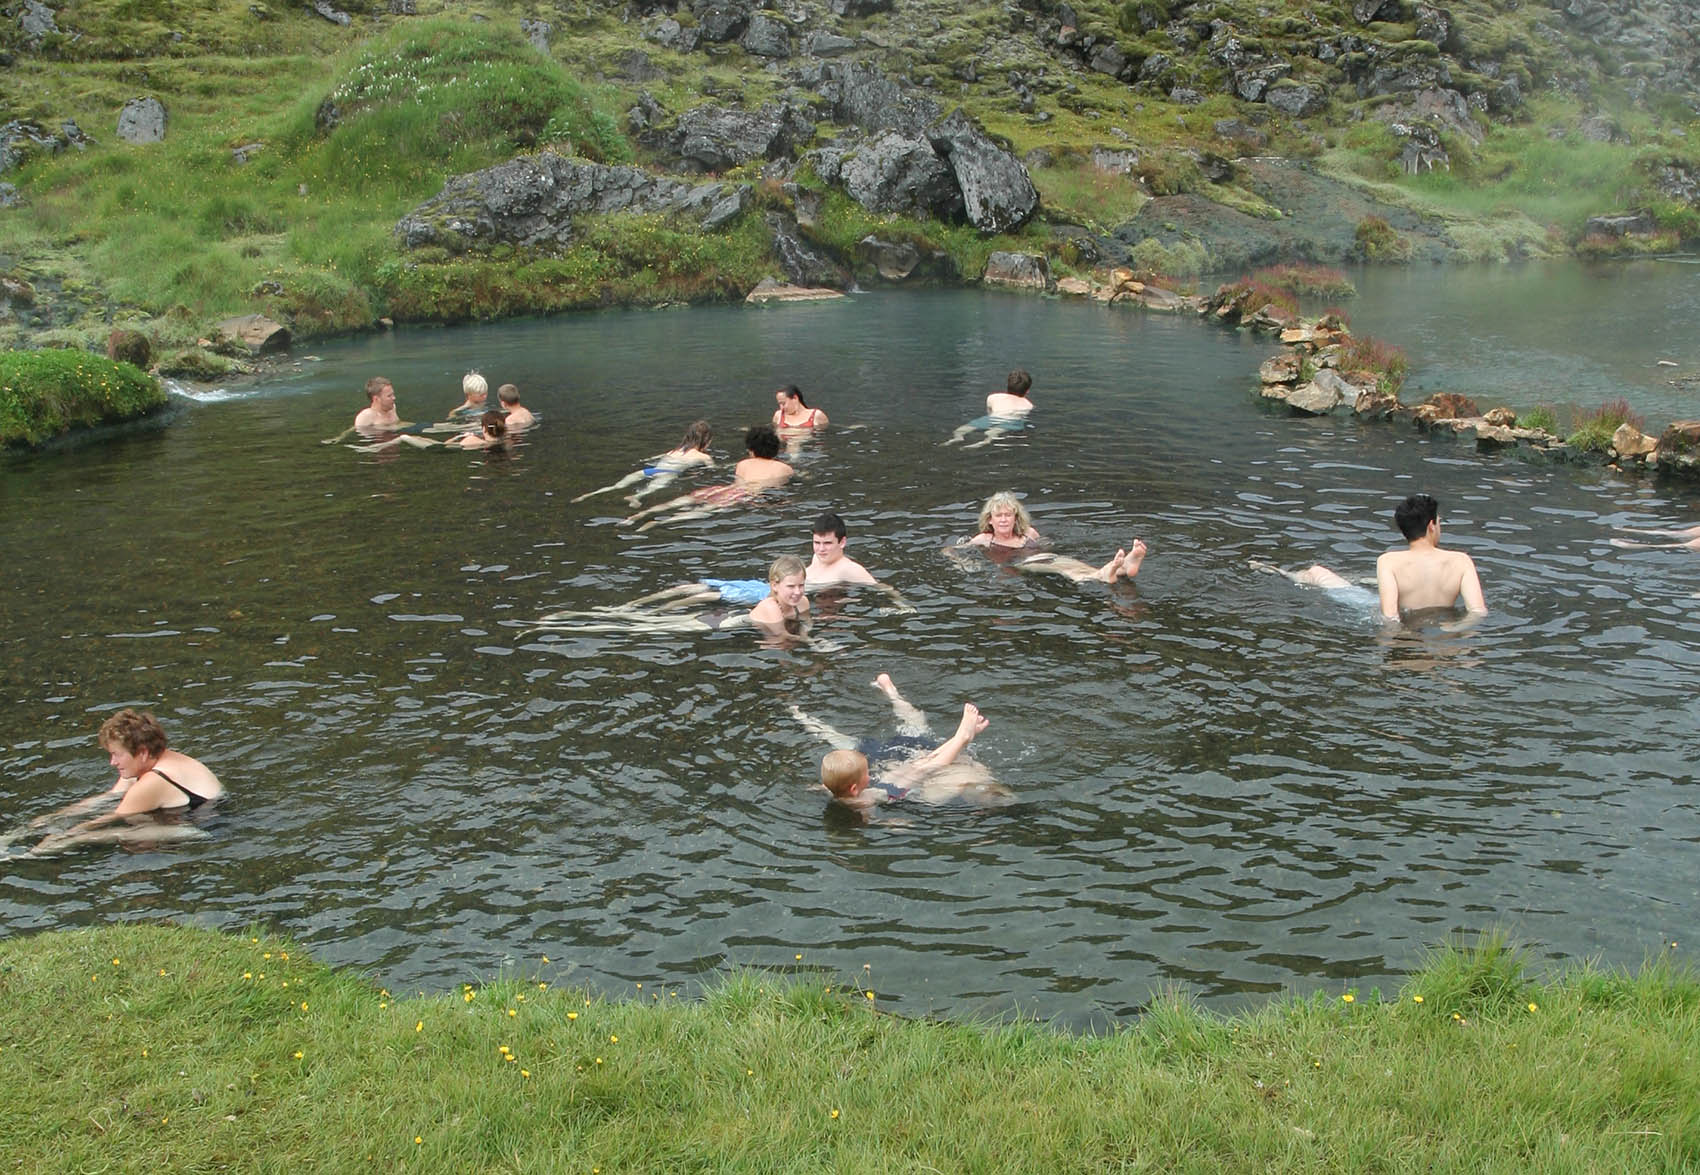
x=45 y=393
x=183 y=1048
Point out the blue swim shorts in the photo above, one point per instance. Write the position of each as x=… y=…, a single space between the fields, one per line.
x=744 y=592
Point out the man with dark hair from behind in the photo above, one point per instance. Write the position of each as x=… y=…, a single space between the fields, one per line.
x=1423 y=577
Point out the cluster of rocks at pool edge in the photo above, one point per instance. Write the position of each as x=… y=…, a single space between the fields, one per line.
x=1117 y=286
x=1317 y=346
x=1676 y=450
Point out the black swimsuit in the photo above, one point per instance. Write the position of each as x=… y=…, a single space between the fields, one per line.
x=195 y=801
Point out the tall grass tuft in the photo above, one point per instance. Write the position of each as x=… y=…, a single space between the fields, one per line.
x=1389 y=363
x=1594 y=433
x=1304 y=278
x=1486 y=977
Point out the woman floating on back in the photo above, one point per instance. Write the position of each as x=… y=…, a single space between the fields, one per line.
x=664 y=468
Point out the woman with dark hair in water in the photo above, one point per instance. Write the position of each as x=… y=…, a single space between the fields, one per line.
x=794 y=413
x=664 y=468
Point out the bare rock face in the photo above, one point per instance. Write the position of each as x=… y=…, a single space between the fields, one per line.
x=530 y=201
x=36 y=20
x=894 y=173
x=1280 y=369
x=715 y=138
x=1027 y=271
x=1681 y=438
x=1629 y=441
x=997 y=192
x=771 y=289
x=256 y=332
x=142 y=121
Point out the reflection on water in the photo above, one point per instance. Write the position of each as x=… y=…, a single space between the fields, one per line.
x=1222 y=780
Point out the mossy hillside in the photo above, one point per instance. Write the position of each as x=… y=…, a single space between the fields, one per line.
x=187 y=1049
x=47 y=392
x=178 y=234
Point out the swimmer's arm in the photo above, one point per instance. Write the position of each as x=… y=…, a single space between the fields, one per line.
x=833 y=737
x=897 y=601
x=82 y=806
x=1387 y=587
x=1470 y=588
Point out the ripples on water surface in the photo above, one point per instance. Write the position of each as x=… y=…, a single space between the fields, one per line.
x=1225 y=781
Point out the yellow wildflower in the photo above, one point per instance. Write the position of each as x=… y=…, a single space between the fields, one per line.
x=1416 y=999
x=419 y=1027
x=1534 y=1007
x=1348 y=997
x=835 y=1113
x=297 y=1054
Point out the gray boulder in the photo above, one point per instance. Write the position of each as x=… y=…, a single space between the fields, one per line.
x=9 y=196
x=670 y=34
x=893 y=173
x=1621 y=225
x=36 y=20
x=530 y=201
x=726 y=208
x=856 y=9
x=714 y=138
x=864 y=97
x=537 y=32
x=1297 y=99
x=997 y=193
x=331 y=13
x=825 y=44
x=1434 y=24
x=20 y=139
x=1108 y=58
x=142 y=121
x=1365 y=11
x=720 y=23
x=802 y=262
x=896 y=261
x=1025 y=271
x=766 y=37
x=1252 y=82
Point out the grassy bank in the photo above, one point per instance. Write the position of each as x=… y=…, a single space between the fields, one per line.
x=45 y=393
x=295 y=144
x=144 y=1046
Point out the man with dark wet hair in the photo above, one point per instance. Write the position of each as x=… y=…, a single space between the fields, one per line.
x=1006 y=411
x=830 y=564
x=1423 y=577
x=758 y=471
